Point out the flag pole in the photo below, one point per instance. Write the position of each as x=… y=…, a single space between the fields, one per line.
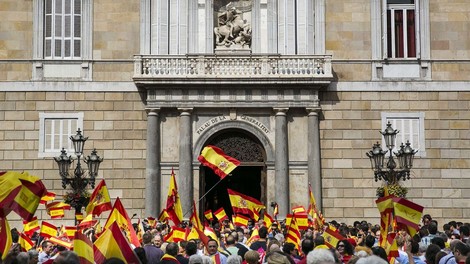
x=204 y=195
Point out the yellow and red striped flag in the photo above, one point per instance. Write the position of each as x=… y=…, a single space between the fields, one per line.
x=152 y=221
x=317 y=217
x=195 y=219
x=208 y=215
x=56 y=209
x=87 y=222
x=220 y=214
x=163 y=217
x=100 y=201
x=407 y=214
x=276 y=210
x=332 y=237
x=49 y=196
x=5 y=238
x=176 y=234
x=61 y=241
x=48 y=230
x=25 y=242
x=241 y=220
x=254 y=236
x=29 y=227
x=293 y=234
x=268 y=220
x=120 y=216
x=191 y=233
x=79 y=217
x=214 y=158
x=173 y=203
x=209 y=232
x=244 y=204
x=113 y=244
x=68 y=231
x=84 y=248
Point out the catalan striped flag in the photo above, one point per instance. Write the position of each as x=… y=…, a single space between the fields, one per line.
x=214 y=158
x=293 y=234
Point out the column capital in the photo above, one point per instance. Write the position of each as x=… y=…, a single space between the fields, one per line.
x=185 y=110
x=281 y=110
x=313 y=111
x=152 y=111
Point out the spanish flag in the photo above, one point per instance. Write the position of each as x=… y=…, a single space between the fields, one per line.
x=268 y=220
x=244 y=204
x=241 y=220
x=56 y=209
x=68 y=231
x=48 y=230
x=176 y=234
x=87 y=222
x=209 y=232
x=220 y=214
x=163 y=217
x=61 y=241
x=113 y=244
x=254 y=236
x=5 y=238
x=25 y=242
x=120 y=216
x=29 y=227
x=195 y=219
x=84 y=248
x=208 y=215
x=276 y=210
x=49 y=196
x=173 y=203
x=100 y=200
x=317 y=217
x=332 y=237
x=214 y=158
x=407 y=214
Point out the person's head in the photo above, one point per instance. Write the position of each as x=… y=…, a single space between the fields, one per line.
x=147 y=238
x=67 y=257
x=157 y=240
x=114 y=261
x=414 y=247
x=252 y=257
x=439 y=242
x=246 y=233
x=439 y=256
x=307 y=245
x=373 y=259
x=230 y=240
x=431 y=252
x=172 y=249
x=212 y=246
x=191 y=248
x=319 y=240
x=320 y=256
x=370 y=241
x=263 y=232
x=426 y=219
x=432 y=228
x=182 y=246
x=23 y=258
x=464 y=231
x=380 y=252
x=140 y=252
x=461 y=251
x=345 y=248
x=47 y=247
x=280 y=237
x=33 y=256
x=288 y=248
x=195 y=259
x=234 y=259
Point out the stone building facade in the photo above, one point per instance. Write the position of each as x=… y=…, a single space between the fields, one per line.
x=299 y=97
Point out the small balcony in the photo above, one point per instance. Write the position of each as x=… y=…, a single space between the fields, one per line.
x=214 y=69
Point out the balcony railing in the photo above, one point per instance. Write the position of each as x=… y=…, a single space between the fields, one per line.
x=212 y=67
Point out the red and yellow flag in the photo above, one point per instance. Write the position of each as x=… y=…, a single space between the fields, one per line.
x=241 y=220
x=293 y=234
x=25 y=242
x=220 y=214
x=5 y=238
x=61 y=241
x=208 y=215
x=163 y=217
x=48 y=230
x=254 y=236
x=56 y=209
x=152 y=221
x=268 y=220
x=176 y=234
x=317 y=217
x=68 y=231
x=407 y=214
x=173 y=203
x=244 y=204
x=332 y=237
x=113 y=244
x=49 y=196
x=100 y=201
x=84 y=248
x=209 y=232
x=214 y=158
x=195 y=219
x=119 y=215
x=87 y=222
x=29 y=227
x=276 y=210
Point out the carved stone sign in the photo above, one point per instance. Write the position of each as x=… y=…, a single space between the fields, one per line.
x=244 y=118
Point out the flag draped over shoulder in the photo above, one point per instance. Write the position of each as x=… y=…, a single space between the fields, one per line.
x=120 y=216
x=173 y=203
x=5 y=238
x=100 y=201
x=244 y=204
x=113 y=244
x=84 y=248
x=20 y=193
x=214 y=158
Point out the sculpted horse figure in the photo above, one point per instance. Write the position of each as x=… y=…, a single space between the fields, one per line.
x=230 y=28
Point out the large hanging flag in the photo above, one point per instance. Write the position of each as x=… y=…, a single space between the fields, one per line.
x=332 y=237
x=120 y=216
x=29 y=227
x=20 y=193
x=220 y=214
x=113 y=244
x=317 y=217
x=208 y=215
x=214 y=158
x=195 y=219
x=84 y=248
x=100 y=201
x=407 y=214
x=5 y=238
x=176 y=234
x=173 y=203
x=244 y=204
x=48 y=230
x=293 y=234
x=56 y=209
x=25 y=242
x=49 y=196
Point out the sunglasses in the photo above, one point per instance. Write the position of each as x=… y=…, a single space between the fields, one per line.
x=341 y=245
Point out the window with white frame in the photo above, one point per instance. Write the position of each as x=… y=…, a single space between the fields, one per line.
x=400 y=31
x=55 y=130
x=410 y=127
x=62 y=29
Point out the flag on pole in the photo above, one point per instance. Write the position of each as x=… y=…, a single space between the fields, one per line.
x=49 y=196
x=5 y=238
x=29 y=227
x=176 y=234
x=293 y=234
x=244 y=204
x=48 y=230
x=194 y=219
x=163 y=217
x=268 y=220
x=120 y=216
x=61 y=241
x=220 y=214
x=254 y=236
x=25 y=242
x=276 y=210
x=56 y=209
x=112 y=243
x=317 y=217
x=68 y=231
x=87 y=222
x=209 y=232
x=100 y=201
x=208 y=215
x=214 y=158
x=173 y=203
x=84 y=248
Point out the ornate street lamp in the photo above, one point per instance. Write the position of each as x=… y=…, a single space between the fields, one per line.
x=78 y=182
x=391 y=174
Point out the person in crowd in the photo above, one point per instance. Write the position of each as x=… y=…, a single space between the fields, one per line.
x=22 y=258
x=157 y=240
x=415 y=252
x=319 y=242
x=46 y=253
x=140 y=252
x=114 y=261
x=426 y=219
x=234 y=259
x=195 y=259
x=252 y=257
x=212 y=250
x=345 y=250
x=152 y=253
x=464 y=233
x=170 y=254
x=380 y=252
x=367 y=245
x=306 y=246
x=431 y=252
x=432 y=228
x=230 y=246
x=191 y=249
x=450 y=258
x=320 y=255
x=460 y=252
x=439 y=256
x=373 y=259
x=181 y=256
x=261 y=242
x=33 y=256
x=67 y=257
x=289 y=250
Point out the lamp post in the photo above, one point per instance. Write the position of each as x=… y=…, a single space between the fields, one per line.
x=390 y=173
x=78 y=181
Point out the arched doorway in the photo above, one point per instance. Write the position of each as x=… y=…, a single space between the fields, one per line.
x=249 y=178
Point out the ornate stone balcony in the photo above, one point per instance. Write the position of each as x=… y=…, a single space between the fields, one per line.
x=255 y=69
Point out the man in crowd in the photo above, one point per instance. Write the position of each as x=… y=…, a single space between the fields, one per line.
x=212 y=250
x=46 y=253
x=152 y=253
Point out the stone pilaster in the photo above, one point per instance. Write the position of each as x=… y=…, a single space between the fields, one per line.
x=153 y=170
x=281 y=162
x=314 y=162
x=185 y=179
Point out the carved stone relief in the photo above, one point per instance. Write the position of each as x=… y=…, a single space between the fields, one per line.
x=233 y=20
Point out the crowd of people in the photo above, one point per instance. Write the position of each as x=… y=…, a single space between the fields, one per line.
x=433 y=244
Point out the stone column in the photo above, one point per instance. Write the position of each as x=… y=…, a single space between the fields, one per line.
x=314 y=162
x=281 y=163
x=153 y=170
x=185 y=177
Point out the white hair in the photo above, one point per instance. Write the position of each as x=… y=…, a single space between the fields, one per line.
x=234 y=259
x=320 y=256
x=371 y=260
x=279 y=237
